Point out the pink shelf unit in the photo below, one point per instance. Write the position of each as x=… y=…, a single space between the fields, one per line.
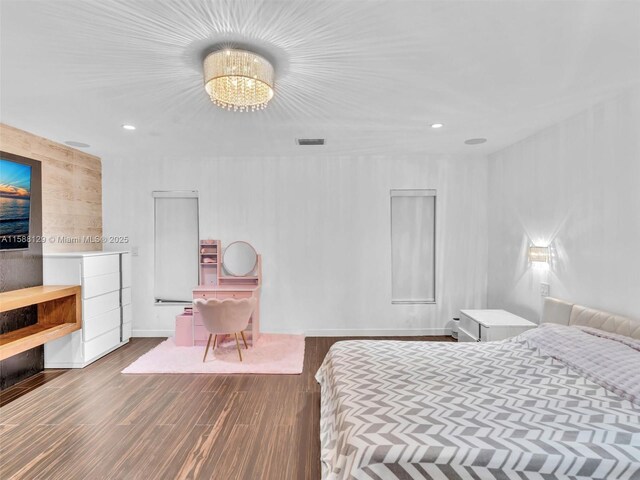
x=210 y=257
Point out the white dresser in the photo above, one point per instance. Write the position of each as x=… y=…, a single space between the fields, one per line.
x=105 y=278
x=490 y=325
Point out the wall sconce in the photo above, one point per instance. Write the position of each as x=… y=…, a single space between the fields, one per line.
x=539 y=254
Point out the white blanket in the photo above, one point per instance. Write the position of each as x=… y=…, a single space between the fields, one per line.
x=551 y=403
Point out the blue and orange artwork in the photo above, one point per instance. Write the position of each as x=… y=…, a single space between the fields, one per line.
x=15 y=204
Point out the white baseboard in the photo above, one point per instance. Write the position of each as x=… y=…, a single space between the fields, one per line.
x=152 y=333
x=415 y=332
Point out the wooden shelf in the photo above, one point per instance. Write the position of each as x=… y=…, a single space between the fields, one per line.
x=59 y=313
x=55 y=331
x=32 y=295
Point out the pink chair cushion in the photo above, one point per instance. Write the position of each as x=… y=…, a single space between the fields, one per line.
x=225 y=316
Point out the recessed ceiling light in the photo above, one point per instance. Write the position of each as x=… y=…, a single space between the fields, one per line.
x=73 y=143
x=437 y=125
x=128 y=127
x=475 y=141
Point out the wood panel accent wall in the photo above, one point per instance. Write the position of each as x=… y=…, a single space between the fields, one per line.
x=71 y=188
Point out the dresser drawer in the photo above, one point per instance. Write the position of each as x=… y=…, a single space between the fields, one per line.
x=466 y=337
x=126 y=269
x=96 y=326
x=126 y=296
x=126 y=331
x=470 y=326
x=99 y=285
x=127 y=314
x=92 y=307
x=100 y=345
x=100 y=265
x=495 y=334
x=223 y=295
x=200 y=335
x=203 y=294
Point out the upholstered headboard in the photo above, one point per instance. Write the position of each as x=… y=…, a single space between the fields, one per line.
x=564 y=313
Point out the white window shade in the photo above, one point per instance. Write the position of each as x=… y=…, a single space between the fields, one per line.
x=176 y=246
x=413 y=228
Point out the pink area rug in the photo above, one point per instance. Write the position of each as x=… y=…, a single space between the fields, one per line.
x=272 y=354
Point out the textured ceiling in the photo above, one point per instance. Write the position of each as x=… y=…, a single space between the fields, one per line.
x=369 y=76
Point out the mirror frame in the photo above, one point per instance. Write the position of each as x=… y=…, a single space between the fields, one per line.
x=253 y=268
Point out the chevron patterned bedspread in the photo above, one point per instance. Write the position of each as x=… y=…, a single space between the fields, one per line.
x=555 y=402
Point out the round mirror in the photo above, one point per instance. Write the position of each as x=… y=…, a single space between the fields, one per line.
x=239 y=259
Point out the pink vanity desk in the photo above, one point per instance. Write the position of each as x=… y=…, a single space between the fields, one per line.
x=213 y=284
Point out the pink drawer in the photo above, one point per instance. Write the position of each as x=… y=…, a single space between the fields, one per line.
x=200 y=335
x=184 y=331
x=205 y=295
x=222 y=295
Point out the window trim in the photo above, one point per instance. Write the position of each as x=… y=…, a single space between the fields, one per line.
x=415 y=192
x=173 y=194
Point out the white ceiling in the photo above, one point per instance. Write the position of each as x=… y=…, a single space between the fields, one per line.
x=367 y=75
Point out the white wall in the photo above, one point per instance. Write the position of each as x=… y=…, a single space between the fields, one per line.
x=322 y=226
x=576 y=187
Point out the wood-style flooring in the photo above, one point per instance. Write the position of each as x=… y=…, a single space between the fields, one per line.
x=96 y=423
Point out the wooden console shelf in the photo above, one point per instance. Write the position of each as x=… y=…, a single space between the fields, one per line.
x=59 y=313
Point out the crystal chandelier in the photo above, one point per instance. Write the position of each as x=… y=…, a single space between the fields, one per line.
x=238 y=80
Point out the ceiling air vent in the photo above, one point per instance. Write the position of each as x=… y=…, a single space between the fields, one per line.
x=310 y=141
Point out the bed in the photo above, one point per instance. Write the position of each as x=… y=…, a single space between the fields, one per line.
x=559 y=401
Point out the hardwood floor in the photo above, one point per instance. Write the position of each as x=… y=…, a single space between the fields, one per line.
x=96 y=423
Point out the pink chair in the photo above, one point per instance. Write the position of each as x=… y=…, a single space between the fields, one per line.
x=224 y=317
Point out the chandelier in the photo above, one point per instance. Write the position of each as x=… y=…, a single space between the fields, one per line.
x=238 y=80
